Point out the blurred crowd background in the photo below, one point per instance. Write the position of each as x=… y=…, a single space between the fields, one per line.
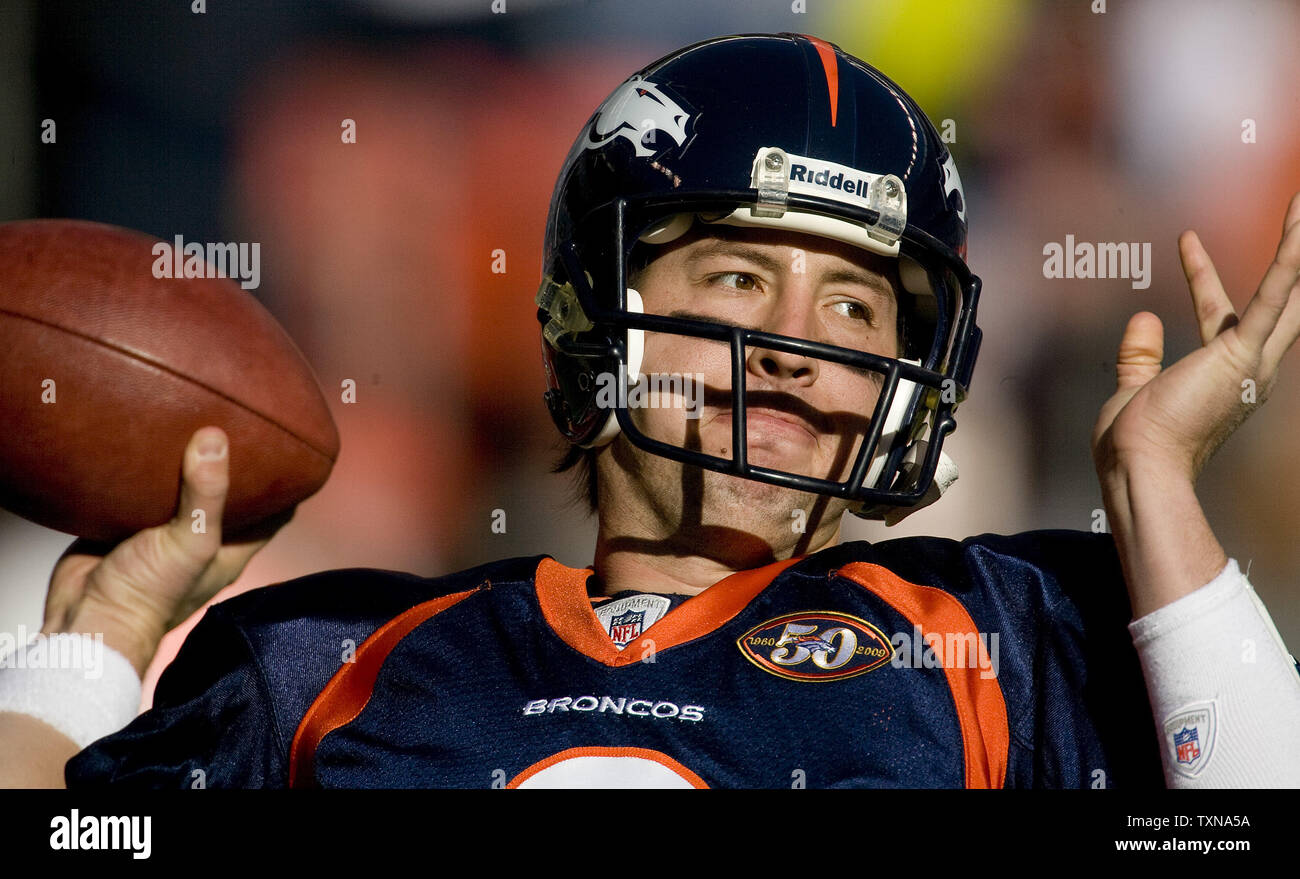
x=377 y=257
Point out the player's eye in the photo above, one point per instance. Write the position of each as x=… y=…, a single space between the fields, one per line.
x=738 y=280
x=854 y=310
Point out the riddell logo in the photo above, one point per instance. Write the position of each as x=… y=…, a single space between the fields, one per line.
x=834 y=180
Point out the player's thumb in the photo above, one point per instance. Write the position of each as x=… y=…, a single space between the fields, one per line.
x=205 y=479
x=147 y=577
x=1141 y=350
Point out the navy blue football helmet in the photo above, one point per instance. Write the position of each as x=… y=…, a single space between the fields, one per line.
x=771 y=131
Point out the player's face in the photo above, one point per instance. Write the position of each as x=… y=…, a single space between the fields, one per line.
x=805 y=416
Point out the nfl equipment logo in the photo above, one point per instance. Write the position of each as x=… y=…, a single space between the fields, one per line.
x=1185 y=743
x=626 y=627
x=1189 y=738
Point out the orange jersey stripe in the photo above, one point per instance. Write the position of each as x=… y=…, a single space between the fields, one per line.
x=346 y=694
x=981 y=708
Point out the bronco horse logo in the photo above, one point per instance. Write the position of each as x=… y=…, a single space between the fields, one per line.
x=638 y=110
x=813 y=643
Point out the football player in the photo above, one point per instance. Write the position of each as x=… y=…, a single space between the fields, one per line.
x=756 y=316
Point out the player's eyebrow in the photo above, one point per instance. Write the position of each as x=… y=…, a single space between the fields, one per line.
x=877 y=283
x=721 y=247
x=707 y=318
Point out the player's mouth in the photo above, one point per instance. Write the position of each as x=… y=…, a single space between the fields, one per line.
x=775 y=415
x=760 y=421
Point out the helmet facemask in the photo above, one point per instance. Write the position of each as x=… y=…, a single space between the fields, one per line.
x=890 y=469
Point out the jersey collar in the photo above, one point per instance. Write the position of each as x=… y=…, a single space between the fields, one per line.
x=566 y=607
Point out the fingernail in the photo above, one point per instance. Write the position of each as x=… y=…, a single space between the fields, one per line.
x=211 y=448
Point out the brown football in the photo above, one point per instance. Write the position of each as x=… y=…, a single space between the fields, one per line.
x=106 y=371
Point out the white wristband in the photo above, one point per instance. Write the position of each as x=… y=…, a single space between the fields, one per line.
x=74 y=683
x=1223 y=689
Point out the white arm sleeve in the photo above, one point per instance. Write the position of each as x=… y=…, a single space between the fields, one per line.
x=1224 y=690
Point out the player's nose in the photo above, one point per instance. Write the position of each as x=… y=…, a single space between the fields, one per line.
x=790 y=315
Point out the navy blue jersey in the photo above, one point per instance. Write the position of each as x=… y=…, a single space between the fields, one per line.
x=998 y=661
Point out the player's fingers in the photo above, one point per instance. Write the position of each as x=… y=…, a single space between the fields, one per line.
x=1270 y=301
x=224 y=569
x=1141 y=351
x=1214 y=311
x=205 y=479
x=1288 y=325
x=66 y=585
x=1292 y=213
x=1285 y=335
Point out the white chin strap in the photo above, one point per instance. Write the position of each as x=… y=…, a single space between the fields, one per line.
x=635 y=350
x=893 y=420
x=945 y=473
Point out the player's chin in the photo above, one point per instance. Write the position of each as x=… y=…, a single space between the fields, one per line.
x=761 y=508
x=749 y=503
x=782 y=455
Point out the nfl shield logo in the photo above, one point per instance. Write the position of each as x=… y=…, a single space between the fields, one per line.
x=1185 y=743
x=626 y=627
x=1189 y=738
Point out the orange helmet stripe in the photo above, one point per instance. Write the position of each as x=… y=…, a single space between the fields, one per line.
x=830 y=65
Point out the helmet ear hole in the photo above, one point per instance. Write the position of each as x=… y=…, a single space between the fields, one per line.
x=915 y=278
x=668 y=229
x=923 y=308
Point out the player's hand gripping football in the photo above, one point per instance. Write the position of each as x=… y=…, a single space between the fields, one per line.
x=1173 y=420
x=138 y=590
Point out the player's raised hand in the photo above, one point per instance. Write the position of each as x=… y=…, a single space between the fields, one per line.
x=138 y=590
x=1174 y=419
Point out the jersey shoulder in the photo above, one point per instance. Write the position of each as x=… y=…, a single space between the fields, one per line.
x=300 y=631
x=362 y=593
x=1075 y=694
x=226 y=709
x=1069 y=561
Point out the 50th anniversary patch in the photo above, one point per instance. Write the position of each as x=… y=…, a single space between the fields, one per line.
x=816 y=646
